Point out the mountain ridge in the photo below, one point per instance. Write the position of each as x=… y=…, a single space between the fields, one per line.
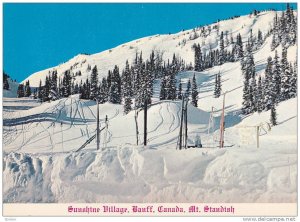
x=167 y=44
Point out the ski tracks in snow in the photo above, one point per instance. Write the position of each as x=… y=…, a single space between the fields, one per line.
x=173 y=126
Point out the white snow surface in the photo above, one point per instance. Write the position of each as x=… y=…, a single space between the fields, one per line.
x=40 y=140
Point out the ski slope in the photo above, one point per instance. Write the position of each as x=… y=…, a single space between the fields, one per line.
x=40 y=140
x=65 y=124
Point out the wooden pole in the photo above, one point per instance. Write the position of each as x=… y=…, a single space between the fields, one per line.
x=181 y=123
x=145 y=122
x=105 y=135
x=185 y=121
x=222 y=122
x=98 y=127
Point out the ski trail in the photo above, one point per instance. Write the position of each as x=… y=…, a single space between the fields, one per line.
x=91 y=111
x=71 y=117
x=159 y=125
x=77 y=111
x=86 y=125
x=172 y=115
x=161 y=121
x=115 y=115
x=169 y=130
x=53 y=122
x=19 y=133
x=80 y=114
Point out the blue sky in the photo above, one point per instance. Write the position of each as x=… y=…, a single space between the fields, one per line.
x=39 y=36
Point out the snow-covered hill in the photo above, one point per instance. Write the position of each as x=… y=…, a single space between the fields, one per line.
x=12 y=92
x=40 y=140
x=166 y=44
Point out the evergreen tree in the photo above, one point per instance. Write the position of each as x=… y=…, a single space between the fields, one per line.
x=276 y=78
x=40 y=92
x=94 y=84
x=194 y=92
x=76 y=89
x=188 y=89
x=293 y=91
x=246 y=105
x=66 y=84
x=239 y=47
x=53 y=95
x=148 y=84
x=170 y=87
x=127 y=82
x=115 y=88
x=198 y=58
x=248 y=68
x=218 y=90
x=35 y=94
x=216 y=87
x=259 y=38
x=84 y=90
x=251 y=40
x=171 y=80
x=268 y=85
x=286 y=72
x=27 y=89
x=5 y=81
x=276 y=33
x=20 y=91
x=127 y=88
x=163 y=93
x=151 y=66
x=222 y=51
x=260 y=99
x=127 y=105
x=109 y=76
x=103 y=91
x=46 y=89
x=273 y=117
x=179 y=91
x=253 y=95
x=72 y=84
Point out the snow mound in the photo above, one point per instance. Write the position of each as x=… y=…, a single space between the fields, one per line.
x=136 y=174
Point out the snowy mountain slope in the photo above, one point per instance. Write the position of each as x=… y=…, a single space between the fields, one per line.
x=232 y=79
x=12 y=92
x=166 y=44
